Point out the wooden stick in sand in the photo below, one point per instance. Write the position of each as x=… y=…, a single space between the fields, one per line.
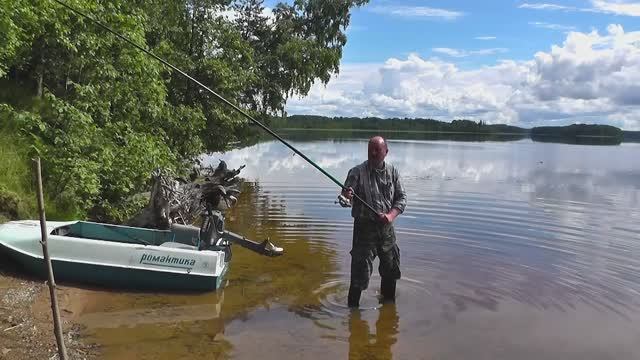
x=62 y=351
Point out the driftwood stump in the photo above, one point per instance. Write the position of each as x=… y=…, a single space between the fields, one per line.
x=176 y=200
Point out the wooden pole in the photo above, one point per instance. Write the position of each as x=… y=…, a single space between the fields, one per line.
x=62 y=351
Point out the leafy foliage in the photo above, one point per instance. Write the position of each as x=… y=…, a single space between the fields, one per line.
x=103 y=115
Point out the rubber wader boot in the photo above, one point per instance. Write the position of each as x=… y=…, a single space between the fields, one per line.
x=388 y=289
x=353 y=299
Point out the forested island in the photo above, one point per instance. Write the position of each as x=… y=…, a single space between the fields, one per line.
x=631 y=136
x=578 y=134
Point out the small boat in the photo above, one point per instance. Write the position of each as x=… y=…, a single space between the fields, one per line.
x=121 y=256
x=174 y=257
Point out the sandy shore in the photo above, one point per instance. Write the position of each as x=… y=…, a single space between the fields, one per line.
x=26 y=326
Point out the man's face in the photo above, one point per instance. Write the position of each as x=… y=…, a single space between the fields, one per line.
x=377 y=152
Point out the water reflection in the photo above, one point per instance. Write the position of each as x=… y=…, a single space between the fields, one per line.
x=172 y=326
x=365 y=345
x=162 y=314
x=309 y=260
x=544 y=230
x=516 y=250
x=155 y=326
x=581 y=140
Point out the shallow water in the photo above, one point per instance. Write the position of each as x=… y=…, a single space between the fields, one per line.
x=510 y=250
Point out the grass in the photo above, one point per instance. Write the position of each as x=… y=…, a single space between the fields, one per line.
x=16 y=199
x=14 y=169
x=17 y=188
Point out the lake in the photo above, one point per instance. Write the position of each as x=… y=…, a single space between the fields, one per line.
x=509 y=250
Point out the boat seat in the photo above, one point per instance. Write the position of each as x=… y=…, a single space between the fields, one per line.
x=177 y=245
x=185 y=234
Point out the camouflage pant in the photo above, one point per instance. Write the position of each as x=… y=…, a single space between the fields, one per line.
x=371 y=239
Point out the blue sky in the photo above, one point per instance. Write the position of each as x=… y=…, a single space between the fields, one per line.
x=519 y=29
x=517 y=62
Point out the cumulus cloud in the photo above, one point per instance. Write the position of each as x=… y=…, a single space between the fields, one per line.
x=590 y=77
x=590 y=67
x=616 y=7
x=416 y=12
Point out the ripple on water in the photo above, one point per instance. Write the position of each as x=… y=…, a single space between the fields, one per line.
x=508 y=251
x=542 y=252
x=332 y=295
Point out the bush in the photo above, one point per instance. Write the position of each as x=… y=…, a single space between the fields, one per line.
x=9 y=204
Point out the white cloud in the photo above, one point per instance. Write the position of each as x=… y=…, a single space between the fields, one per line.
x=231 y=14
x=625 y=119
x=590 y=77
x=545 y=25
x=416 y=12
x=485 y=38
x=616 y=7
x=539 y=6
x=464 y=53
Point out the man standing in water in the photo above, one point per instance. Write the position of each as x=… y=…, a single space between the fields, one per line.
x=377 y=183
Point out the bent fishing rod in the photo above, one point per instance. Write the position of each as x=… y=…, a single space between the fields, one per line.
x=218 y=96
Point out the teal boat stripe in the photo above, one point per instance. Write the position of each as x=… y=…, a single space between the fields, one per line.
x=56 y=258
x=169 y=266
x=129 y=278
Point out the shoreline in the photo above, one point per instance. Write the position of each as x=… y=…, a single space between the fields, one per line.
x=404 y=131
x=26 y=325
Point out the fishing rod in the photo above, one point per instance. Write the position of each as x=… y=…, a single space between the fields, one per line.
x=220 y=97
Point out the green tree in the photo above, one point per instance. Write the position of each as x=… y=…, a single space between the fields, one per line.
x=300 y=44
x=103 y=115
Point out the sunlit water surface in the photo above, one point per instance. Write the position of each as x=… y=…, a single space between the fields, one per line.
x=514 y=250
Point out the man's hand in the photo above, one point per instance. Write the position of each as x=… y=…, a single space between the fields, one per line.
x=348 y=193
x=345 y=197
x=388 y=217
x=384 y=218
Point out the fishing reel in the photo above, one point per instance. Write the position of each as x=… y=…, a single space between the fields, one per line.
x=343 y=201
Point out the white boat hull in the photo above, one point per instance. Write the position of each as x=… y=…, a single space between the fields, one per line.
x=167 y=266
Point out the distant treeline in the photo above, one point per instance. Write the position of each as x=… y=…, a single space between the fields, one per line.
x=393 y=124
x=578 y=130
x=346 y=134
x=631 y=136
x=578 y=134
x=574 y=134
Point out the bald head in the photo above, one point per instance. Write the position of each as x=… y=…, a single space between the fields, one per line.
x=377 y=151
x=377 y=140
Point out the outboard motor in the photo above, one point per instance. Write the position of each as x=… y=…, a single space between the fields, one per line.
x=213 y=236
x=212 y=230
